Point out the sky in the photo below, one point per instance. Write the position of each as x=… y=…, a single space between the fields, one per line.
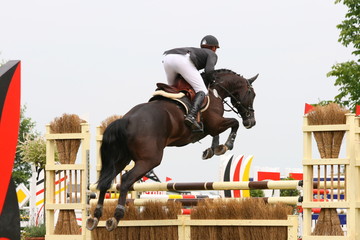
x=100 y=58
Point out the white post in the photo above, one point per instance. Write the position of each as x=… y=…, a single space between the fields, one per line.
x=33 y=209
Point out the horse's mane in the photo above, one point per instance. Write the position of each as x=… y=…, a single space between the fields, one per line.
x=217 y=71
x=222 y=70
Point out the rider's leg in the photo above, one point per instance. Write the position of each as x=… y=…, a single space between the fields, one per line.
x=170 y=67
x=187 y=69
x=190 y=119
x=193 y=77
x=182 y=64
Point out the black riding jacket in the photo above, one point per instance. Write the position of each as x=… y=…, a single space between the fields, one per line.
x=202 y=58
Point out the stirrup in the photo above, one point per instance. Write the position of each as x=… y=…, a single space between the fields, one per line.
x=193 y=124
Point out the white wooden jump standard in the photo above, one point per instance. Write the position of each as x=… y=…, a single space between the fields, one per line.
x=50 y=204
x=352 y=178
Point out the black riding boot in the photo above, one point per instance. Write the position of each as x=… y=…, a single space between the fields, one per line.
x=190 y=119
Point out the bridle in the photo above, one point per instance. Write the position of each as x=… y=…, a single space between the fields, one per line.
x=237 y=103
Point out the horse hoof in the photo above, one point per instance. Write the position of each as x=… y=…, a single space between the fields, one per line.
x=208 y=153
x=91 y=223
x=220 y=150
x=111 y=224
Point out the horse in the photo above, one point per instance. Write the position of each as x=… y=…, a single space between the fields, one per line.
x=142 y=134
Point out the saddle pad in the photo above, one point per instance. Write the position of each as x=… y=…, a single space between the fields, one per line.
x=181 y=98
x=169 y=95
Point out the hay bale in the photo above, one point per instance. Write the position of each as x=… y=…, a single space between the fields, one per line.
x=328 y=142
x=328 y=223
x=67 y=149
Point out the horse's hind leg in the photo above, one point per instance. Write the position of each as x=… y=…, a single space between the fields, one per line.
x=92 y=223
x=127 y=180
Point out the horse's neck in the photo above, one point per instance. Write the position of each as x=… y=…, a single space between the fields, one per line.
x=215 y=94
x=222 y=88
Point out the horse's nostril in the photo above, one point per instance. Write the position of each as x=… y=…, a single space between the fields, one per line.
x=249 y=123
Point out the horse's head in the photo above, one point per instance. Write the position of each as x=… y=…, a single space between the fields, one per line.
x=241 y=93
x=243 y=101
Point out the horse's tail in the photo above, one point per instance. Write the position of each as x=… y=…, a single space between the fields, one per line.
x=114 y=152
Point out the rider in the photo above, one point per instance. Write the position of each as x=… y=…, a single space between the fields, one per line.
x=188 y=61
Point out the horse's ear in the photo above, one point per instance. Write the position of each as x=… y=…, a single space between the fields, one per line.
x=251 y=80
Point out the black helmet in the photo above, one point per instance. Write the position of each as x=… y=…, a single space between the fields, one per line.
x=209 y=41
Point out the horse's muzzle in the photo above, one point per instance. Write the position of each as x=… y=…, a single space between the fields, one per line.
x=249 y=123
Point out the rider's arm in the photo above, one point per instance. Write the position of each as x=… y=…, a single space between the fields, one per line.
x=210 y=62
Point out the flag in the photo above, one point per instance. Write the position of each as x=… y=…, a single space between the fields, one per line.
x=236 y=178
x=308 y=108
x=168 y=179
x=227 y=193
x=245 y=173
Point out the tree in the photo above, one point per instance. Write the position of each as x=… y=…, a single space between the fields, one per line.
x=289 y=192
x=256 y=193
x=347 y=74
x=33 y=151
x=22 y=170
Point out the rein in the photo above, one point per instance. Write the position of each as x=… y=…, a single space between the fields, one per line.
x=238 y=103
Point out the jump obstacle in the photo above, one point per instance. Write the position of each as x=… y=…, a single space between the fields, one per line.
x=202 y=186
x=351 y=202
x=77 y=174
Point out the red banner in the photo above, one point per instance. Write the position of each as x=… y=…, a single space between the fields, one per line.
x=268 y=176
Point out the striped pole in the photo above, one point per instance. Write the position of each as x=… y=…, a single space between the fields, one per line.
x=171 y=196
x=200 y=186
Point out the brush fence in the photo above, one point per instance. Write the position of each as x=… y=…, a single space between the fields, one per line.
x=193 y=202
x=184 y=224
x=315 y=168
x=73 y=197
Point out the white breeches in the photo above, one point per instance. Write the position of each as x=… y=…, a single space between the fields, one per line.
x=181 y=64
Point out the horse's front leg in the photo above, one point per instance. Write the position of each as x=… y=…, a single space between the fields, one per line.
x=220 y=149
x=208 y=153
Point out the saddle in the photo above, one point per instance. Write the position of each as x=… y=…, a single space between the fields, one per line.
x=181 y=92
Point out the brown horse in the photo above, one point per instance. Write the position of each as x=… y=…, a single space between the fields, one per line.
x=143 y=133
